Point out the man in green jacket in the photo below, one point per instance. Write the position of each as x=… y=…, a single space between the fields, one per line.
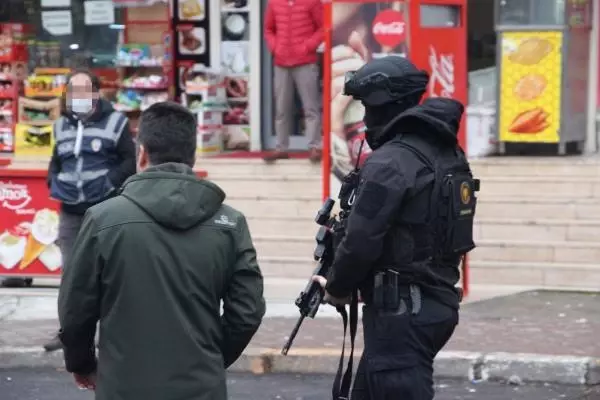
x=153 y=265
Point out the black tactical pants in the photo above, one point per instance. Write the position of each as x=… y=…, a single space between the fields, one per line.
x=397 y=362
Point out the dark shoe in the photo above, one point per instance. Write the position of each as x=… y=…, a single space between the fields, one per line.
x=276 y=155
x=53 y=344
x=315 y=156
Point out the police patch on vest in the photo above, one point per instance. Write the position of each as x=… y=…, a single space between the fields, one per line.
x=96 y=145
x=465 y=193
x=372 y=197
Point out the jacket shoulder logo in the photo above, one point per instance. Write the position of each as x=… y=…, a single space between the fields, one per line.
x=224 y=220
x=465 y=193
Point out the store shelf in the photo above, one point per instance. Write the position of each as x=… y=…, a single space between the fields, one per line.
x=163 y=88
x=141 y=64
x=38 y=123
x=235 y=10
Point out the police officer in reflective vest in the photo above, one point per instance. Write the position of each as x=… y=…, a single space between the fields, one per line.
x=93 y=155
x=409 y=227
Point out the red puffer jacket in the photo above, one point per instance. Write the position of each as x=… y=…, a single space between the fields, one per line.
x=294 y=31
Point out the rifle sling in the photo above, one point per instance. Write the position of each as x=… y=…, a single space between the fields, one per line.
x=341 y=385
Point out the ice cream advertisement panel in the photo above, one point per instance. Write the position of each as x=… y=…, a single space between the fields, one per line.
x=359 y=33
x=530 y=87
x=28 y=229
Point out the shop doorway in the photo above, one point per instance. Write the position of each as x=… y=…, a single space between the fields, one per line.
x=298 y=141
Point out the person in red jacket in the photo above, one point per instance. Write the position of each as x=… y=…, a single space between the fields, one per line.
x=293 y=32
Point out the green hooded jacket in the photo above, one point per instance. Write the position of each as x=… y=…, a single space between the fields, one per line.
x=153 y=265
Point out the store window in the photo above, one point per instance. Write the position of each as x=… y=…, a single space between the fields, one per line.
x=436 y=16
x=531 y=12
x=481 y=35
x=73 y=43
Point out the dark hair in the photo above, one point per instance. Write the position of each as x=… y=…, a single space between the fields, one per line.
x=167 y=131
x=77 y=71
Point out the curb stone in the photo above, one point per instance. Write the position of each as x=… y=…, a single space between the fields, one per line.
x=536 y=368
x=593 y=377
x=470 y=366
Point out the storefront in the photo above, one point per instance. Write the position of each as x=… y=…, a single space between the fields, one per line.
x=129 y=44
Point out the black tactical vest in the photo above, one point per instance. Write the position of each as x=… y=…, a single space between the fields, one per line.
x=446 y=232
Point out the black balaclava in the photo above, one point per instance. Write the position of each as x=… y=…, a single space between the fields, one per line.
x=377 y=117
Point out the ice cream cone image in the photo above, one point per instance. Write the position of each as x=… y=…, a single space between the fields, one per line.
x=33 y=249
x=44 y=232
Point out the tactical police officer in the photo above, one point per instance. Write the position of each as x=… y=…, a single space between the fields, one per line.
x=410 y=226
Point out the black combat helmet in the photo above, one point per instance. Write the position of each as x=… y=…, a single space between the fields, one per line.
x=390 y=79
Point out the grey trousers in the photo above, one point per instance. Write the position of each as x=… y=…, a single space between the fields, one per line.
x=305 y=78
x=68 y=228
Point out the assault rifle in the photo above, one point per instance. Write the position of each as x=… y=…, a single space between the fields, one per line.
x=329 y=235
x=311 y=297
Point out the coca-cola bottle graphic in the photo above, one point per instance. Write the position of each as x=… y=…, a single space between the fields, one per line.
x=442 y=77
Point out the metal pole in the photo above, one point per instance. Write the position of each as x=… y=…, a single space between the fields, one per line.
x=591 y=145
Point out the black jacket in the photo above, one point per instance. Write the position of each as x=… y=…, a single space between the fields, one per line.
x=393 y=194
x=125 y=151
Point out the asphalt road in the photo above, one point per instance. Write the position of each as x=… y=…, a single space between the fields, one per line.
x=50 y=384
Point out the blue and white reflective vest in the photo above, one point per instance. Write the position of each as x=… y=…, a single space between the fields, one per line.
x=87 y=152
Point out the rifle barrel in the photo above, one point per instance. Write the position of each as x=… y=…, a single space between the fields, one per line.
x=288 y=343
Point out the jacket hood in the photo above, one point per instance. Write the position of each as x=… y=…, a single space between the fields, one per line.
x=437 y=117
x=173 y=196
x=103 y=108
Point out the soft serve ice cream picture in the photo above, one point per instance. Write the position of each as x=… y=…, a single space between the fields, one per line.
x=28 y=229
x=43 y=235
x=12 y=246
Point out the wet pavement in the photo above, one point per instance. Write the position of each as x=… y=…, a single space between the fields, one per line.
x=552 y=323
x=50 y=384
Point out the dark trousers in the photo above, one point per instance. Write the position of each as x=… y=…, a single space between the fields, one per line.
x=68 y=228
x=397 y=362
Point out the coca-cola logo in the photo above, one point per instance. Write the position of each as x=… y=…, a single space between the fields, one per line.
x=13 y=196
x=442 y=80
x=389 y=28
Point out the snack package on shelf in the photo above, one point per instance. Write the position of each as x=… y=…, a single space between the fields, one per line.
x=210 y=133
x=7 y=118
x=150 y=81
x=10 y=71
x=204 y=90
x=13 y=46
x=132 y=100
x=128 y=100
x=7 y=90
x=40 y=85
x=6 y=107
x=33 y=140
x=7 y=141
x=151 y=98
x=132 y=55
x=38 y=112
